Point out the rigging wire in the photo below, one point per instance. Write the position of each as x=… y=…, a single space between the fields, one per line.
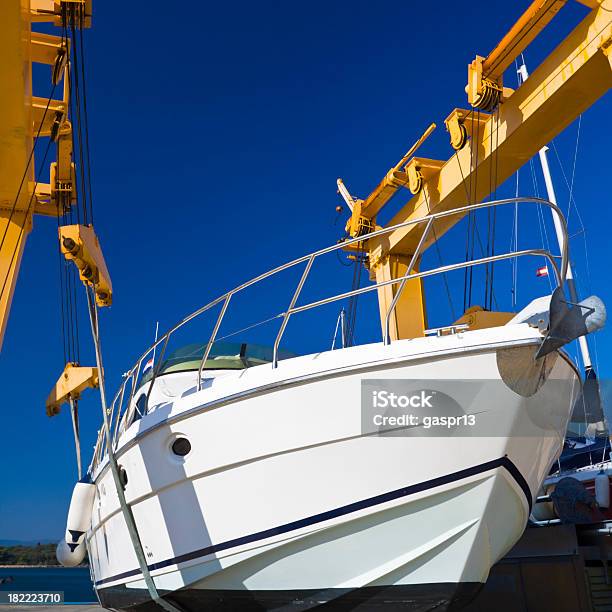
x=472 y=220
x=249 y=327
x=582 y=231
x=353 y=300
x=440 y=262
x=541 y=219
x=86 y=120
x=491 y=295
x=77 y=135
x=467 y=195
x=514 y=240
x=61 y=288
x=578 y=215
x=69 y=302
x=571 y=187
x=472 y=236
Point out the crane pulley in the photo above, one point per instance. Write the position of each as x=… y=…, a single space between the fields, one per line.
x=80 y=245
x=27 y=117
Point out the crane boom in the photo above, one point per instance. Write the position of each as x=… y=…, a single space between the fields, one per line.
x=575 y=75
x=490 y=147
x=25 y=118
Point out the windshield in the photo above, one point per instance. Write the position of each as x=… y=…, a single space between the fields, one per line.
x=222 y=356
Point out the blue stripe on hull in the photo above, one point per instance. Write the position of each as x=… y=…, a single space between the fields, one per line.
x=341 y=511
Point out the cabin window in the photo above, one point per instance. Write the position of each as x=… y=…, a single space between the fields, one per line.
x=222 y=356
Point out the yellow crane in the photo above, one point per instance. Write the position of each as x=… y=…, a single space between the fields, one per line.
x=26 y=118
x=502 y=130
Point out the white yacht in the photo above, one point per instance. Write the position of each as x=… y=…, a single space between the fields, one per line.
x=253 y=479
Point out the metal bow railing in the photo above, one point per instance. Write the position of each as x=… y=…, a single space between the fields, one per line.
x=120 y=417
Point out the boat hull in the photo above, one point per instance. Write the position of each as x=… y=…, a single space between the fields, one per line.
x=284 y=502
x=414 y=598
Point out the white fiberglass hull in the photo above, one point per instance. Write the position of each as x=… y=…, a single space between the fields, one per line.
x=283 y=501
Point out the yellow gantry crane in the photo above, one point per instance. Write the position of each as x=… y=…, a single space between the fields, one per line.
x=24 y=118
x=503 y=130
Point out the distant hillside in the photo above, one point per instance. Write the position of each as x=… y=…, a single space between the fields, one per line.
x=41 y=554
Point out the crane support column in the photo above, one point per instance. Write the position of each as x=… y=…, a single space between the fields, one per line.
x=15 y=145
x=408 y=320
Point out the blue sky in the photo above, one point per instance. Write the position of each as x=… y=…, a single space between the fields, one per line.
x=216 y=141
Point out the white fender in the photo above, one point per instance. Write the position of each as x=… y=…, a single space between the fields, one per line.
x=71 y=550
x=68 y=557
x=602 y=489
x=79 y=514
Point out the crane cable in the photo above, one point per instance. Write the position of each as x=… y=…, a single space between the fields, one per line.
x=440 y=261
x=125 y=508
x=67 y=275
x=351 y=310
x=83 y=190
x=489 y=299
x=78 y=100
x=572 y=201
x=81 y=144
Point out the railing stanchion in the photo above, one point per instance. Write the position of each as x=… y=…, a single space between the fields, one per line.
x=296 y=294
x=156 y=368
x=212 y=339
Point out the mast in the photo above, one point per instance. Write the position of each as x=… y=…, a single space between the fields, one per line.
x=550 y=190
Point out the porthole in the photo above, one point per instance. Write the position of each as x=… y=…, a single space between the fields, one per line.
x=123 y=477
x=181 y=447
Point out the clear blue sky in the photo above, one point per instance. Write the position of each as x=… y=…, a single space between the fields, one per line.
x=216 y=140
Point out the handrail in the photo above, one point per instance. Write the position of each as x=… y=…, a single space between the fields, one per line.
x=439 y=270
x=560 y=275
x=211 y=339
x=375 y=234
x=286 y=316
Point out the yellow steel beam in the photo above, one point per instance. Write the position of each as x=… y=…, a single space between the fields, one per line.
x=15 y=145
x=69 y=386
x=409 y=317
x=45 y=47
x=574 y=76
x=80 y=244
x=523 y=32
x=51 y=11
x=15 y=111
x=13 y=230
x=394 y=179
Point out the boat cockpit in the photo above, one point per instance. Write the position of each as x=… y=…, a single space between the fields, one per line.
x=175 y=374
